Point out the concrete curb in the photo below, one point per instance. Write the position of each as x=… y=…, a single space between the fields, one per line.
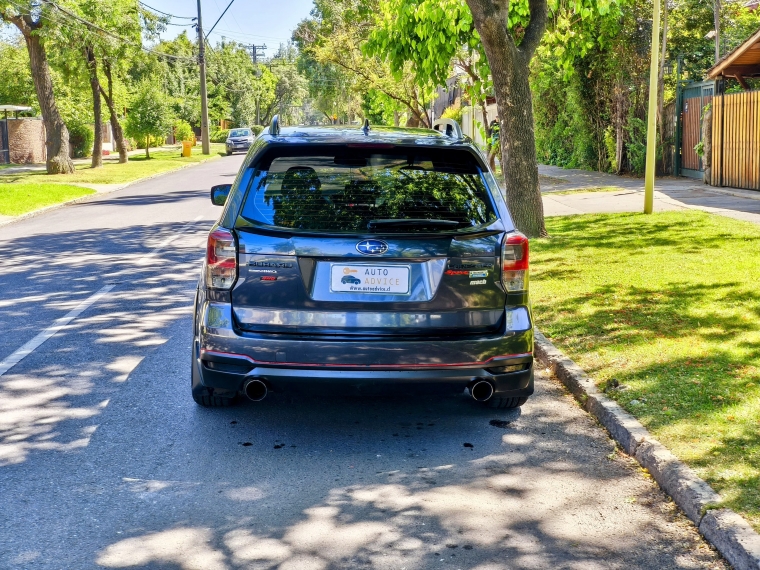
x=35 y=213
x=734 y=538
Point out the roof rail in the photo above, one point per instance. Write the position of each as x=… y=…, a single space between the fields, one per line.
x=452 y=128
x=366 y=127
x=274 y=127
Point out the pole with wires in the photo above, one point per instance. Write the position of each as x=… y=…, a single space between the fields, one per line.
x=206 y=147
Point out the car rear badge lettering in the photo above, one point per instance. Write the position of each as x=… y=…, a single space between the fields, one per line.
x=470 y=266
x=269 y=264
x=262 y=271
x=372 y=247
x=478 y=282
x=477 y=274
x=456 y=272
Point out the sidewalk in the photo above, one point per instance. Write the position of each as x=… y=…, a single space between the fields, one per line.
x=670 y=194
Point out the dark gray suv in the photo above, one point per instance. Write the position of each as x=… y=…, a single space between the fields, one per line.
x=367 y=257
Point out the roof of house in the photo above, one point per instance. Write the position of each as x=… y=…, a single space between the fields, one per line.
x=14 y=108
x=744 y=61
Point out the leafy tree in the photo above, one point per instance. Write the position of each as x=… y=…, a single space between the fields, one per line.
x=333 y=38
x=496 y=39
x=178 y=77
x=238 y=85
x=149 y=115
x=33 y=21
x=289 y=88
x=17 y=86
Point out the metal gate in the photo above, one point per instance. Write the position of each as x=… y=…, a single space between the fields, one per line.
x=691 y=100
x=5 y=152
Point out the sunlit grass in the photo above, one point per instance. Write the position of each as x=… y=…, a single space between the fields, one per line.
x=667 y=306
x=17 y=199
x=115 y=173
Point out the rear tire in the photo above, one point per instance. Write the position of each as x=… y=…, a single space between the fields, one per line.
x=229 y=152
x=506 y=403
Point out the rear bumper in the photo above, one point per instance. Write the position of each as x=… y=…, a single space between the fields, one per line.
x=238 y=146
x=227 y=358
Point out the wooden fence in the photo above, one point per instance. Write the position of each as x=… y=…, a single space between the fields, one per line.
x=736 y=140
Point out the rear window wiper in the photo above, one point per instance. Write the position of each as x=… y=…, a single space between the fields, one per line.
x=412 y=223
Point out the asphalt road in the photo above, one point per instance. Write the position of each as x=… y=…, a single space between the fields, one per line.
x=106 y=462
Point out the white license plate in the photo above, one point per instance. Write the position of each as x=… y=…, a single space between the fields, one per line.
x=380 y=279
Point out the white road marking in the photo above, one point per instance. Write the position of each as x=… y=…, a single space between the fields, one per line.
x=148 y=256
x=57 y=325
x=61 y=323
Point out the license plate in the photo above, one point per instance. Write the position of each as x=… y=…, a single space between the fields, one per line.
x=379 y=279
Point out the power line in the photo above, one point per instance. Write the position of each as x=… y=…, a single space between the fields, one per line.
x=166 y=13
x=232 y=32
x=219 y=18
x=111 y=34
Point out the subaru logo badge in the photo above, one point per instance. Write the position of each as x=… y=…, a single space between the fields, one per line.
x=372 y=247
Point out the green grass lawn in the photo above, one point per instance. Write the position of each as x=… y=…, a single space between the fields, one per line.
x=115 y=173
x=667 y=308
x=17 y=199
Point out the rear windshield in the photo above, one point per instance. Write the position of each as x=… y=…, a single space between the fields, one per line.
x=360 y=190
x=240 y=133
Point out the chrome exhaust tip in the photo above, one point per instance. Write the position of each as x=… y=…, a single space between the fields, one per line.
x=481 y=391
x=255 y=390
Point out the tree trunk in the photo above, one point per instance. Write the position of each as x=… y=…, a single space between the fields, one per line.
x=707 y=144
x=619 y=131
x=716 y=21
x=661 y=81
x=97 y=111
x=56 y=133
x=147 y=147
x=510 y=69
x=118 y=132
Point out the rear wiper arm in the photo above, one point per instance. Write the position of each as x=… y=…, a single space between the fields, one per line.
x=412 y=223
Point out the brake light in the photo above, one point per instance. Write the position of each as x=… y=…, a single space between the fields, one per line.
x=221 y=259
x=514 y=262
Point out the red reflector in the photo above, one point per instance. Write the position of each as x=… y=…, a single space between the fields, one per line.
x=269 y=278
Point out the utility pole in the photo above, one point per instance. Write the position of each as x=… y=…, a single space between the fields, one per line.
x=257 y=51
x=652 y=113
x=204 y=95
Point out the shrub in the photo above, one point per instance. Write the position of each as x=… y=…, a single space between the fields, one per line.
x=257 y=130
x=182 y=131
x=610 y=142
x=637 y=146
x=453 y=112
x=219 y=136
x=81 y=138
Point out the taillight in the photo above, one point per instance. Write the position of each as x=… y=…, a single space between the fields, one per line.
x=221 y=259
x=514 y=262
